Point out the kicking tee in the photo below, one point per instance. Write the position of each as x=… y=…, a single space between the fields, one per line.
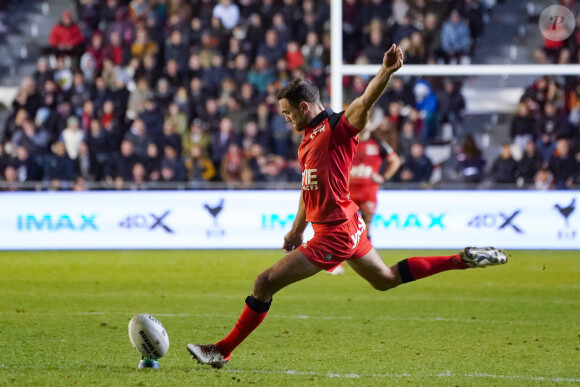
x=325 y=156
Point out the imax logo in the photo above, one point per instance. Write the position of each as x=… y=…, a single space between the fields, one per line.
x=277 y=221
x=402 y=221
x=30 y=222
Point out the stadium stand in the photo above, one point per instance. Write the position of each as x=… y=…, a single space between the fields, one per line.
x=181 y=94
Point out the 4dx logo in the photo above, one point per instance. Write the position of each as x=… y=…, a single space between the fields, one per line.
x=499 y=220
x=143 y=221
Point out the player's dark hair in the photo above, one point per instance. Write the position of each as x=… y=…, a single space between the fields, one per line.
x=299 y=90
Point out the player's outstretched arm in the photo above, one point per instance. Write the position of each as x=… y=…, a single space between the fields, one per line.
x=357 y=112
x=294 y=237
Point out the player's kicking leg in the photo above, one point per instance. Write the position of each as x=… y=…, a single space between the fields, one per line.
x=372 y=268
x=292 y=268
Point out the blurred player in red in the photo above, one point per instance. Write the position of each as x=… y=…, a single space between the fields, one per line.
x=326 y=154
x=365 y=179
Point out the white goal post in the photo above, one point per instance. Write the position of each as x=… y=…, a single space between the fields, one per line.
x=338 y=69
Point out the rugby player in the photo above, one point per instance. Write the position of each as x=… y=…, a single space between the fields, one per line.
x=326 y=154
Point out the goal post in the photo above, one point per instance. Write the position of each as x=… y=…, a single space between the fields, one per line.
x=338 y=69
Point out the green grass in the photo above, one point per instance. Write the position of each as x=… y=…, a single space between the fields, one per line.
x=64 y=316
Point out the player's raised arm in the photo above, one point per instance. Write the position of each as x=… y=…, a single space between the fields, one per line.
x=357 y=112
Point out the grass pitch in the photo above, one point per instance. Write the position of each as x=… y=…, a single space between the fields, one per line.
x=64 y=316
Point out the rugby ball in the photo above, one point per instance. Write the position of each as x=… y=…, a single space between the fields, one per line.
x=148 y=336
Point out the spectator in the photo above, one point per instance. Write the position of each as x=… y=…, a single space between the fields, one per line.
x=261 y=75
x=87 y=114
x=523 y=127
x=173 y=76
x=406 y=139
x=66 y=37
x=102 y=93
x=150 y=69
x=374 y=50
x=196 y=98
x=529 y=164
x=143 y=45
x=43 y=71
x=248 y=96
x=283 y=30
x=253 y=135
x=85 y=164
x=176 y=49
x=232 y=164
x=414 y=49
x=139 y=139
x=177 y=118
x=100 y=147
x=235 y=113
x=552 y=51
x=63 y=74
x=455 y=39
x=451 y=106
x=211 y=116
x=39 y=139
x=199 y=167
x=431 y=35
x=172 y=166
x=469 y=162
x=417 y=168
x=426 y=103
x=181 y=100
x=562 y=165
x=402 y=30
x=504 y=168
x=543 y=179
x=138 y=10
x=72 y=137
x=124 y=163
x=152 y=163
x=399 y=92
x=24 y=167
x=552 y=122
x=152 y=118
x=98 y=50
x=312 y=51
x=79 y=93
x=546 y=145
x=170 y=138
x=137 y=98
x=197 y=136
x=294 y=58
x=212 y=78
x=228 y=13
x=119 y=53
x=138 y=176
x=222 y=141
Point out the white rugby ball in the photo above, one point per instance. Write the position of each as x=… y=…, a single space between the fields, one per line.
x=148 y=336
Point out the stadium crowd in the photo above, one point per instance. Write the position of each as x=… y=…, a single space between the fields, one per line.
x=135 y=92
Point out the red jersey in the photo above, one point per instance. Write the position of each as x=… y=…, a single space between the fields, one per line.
x=367 y=161
x=325 y=156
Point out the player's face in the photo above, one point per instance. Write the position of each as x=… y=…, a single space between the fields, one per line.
x=294 y=115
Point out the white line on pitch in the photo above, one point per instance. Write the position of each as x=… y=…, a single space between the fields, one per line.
x=446 y=374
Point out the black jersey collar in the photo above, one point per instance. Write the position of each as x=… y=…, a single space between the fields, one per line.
x=325 y=114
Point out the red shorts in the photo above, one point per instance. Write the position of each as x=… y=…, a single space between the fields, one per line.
x=332 y=245
x=365 y=199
